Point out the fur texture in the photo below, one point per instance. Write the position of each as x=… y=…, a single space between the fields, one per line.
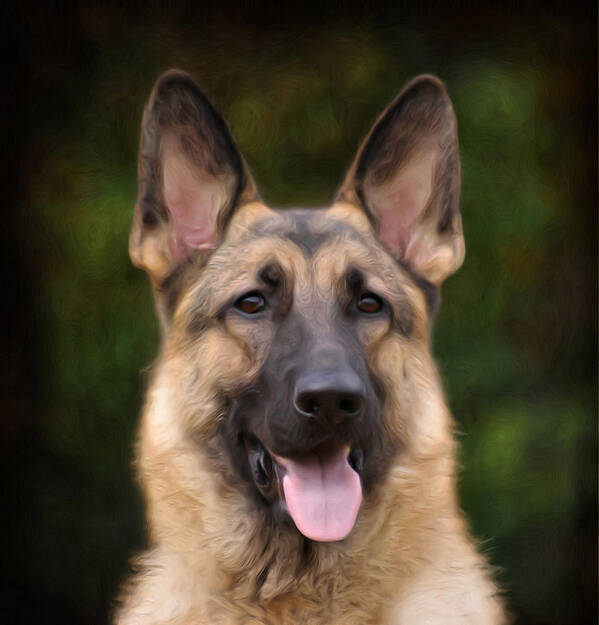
x=222 y=550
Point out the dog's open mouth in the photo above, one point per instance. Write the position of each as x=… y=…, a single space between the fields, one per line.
x=321 y=488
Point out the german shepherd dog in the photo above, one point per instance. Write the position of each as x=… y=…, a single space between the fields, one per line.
x=296 y=452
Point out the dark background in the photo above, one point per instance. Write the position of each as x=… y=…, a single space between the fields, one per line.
x=516 y=337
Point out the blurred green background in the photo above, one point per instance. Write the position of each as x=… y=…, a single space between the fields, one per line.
x=516 y=337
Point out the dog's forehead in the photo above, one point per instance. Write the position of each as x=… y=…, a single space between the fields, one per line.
x=308 y=228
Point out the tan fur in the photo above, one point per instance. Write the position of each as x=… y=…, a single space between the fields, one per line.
x=409 y=559
x=215 y=557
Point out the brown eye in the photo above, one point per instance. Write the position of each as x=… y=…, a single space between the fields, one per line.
x=251 y=304
x=369 y=303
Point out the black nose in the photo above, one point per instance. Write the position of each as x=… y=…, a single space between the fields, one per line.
x=334 y=396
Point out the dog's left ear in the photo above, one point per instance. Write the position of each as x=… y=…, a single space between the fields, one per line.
x=191 y=178
x=406 y=175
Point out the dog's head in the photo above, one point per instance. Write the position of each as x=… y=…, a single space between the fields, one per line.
x=297 y=341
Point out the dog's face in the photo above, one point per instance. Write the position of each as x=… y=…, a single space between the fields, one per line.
x=300 y=337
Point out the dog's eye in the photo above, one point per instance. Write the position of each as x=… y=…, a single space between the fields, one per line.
x=251 y=303
x=369 y=303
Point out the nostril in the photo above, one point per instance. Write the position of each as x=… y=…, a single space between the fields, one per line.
x=346 y=405
x=350 y=406
x=308 y=405
x=312 y=406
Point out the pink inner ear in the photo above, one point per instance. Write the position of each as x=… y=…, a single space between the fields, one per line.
x=193 y=199
x=400 y=203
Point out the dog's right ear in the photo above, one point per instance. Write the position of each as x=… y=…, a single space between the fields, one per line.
x=406 y=176
x=191 y=178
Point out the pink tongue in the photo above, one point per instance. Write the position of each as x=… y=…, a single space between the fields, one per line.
x=323 y=493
